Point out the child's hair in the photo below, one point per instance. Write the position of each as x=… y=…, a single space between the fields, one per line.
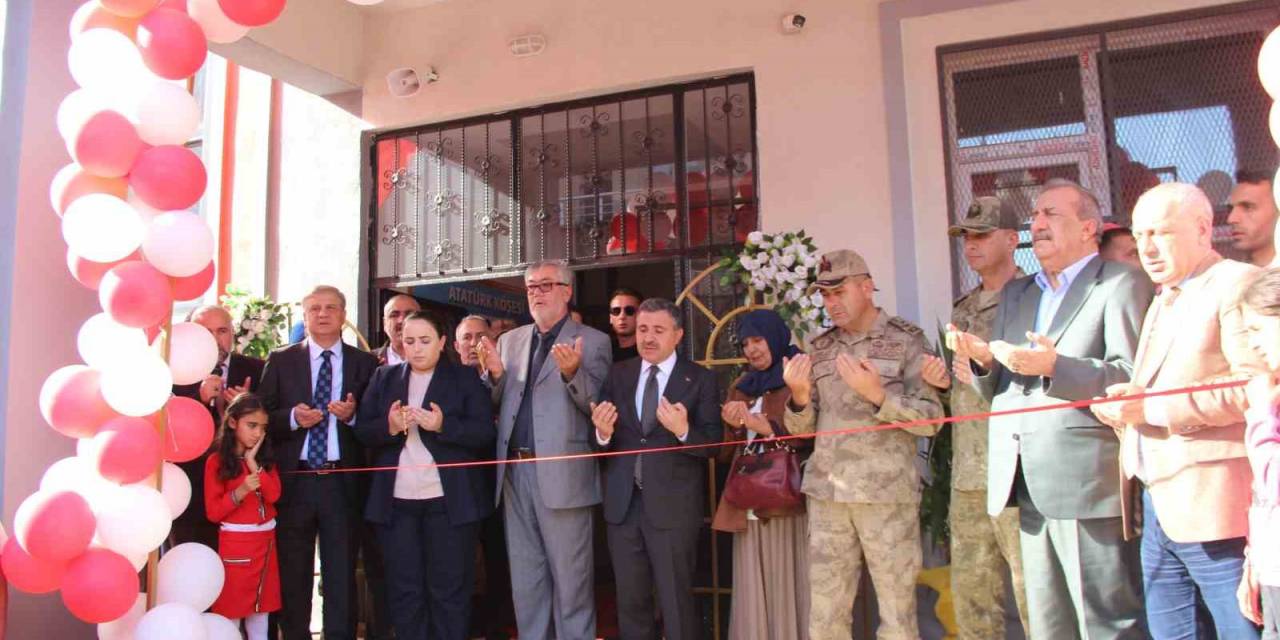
x=229 y=463
x=1262 y=294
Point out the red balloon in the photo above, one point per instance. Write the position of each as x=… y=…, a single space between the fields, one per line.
x=92 y=15
x=129 y=8
x=28 y=574
x=107 y=145
x=126 y=450
x=72 y=181
x=152 y=332
x=190 y=430
x=89 y=273
x=192 y=287
x=54 y=526
x=168 y=177
x=71 y=401
x=99 y=586
x=176 y=5
x=136 y=295
x=252 y=13
x=172 y=44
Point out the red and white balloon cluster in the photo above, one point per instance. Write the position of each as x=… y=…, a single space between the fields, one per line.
x=1269 y=73
x=124 y=202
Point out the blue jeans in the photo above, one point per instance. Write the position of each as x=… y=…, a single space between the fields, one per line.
x=1173 y=572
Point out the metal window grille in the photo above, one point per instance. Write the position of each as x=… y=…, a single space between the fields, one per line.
x=619 y=178
x=1118 y=108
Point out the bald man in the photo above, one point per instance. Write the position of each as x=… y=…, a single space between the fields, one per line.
x=233 y=375
x=393 y=314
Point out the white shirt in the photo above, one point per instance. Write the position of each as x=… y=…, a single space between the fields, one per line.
x=393 y=358
x=417 y=478
x=335 y=393
x=664 y=374
x=1052 y=298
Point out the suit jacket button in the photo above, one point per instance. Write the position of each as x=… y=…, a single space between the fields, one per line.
x=643 y=440
x=1026 y=391
x=573 y=388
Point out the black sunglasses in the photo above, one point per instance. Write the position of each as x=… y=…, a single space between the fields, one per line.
x=617 y=311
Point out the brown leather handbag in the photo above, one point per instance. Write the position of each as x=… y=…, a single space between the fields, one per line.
x=766 y=479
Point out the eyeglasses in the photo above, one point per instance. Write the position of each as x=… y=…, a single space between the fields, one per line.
x=542 y=287
x=617 y=311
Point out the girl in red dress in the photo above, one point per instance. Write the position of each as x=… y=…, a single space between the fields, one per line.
x=241 y=488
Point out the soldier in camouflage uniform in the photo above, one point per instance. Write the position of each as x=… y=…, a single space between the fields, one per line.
x=863 y=489
x=982 y=547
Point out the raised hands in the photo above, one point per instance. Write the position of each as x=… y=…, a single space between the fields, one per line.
x=797 y=372
x=305 y=416
x=487 y=354
x=967 y=346
x=343 y=409
x=1036 y=360
x=862 y=377
x=568 y=358
x=935 y=373
x=230 y=393
x=673 y=417
x=604 y=416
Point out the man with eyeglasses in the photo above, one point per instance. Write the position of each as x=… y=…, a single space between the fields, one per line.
x=544 y=376
x=622 y=319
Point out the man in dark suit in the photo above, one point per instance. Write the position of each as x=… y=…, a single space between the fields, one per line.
x=394 y=313
x=233 y=375
x=653 y=503
x=1065 y=334
x=310 y=389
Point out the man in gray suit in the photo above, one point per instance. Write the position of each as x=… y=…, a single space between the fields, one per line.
x=544 y=377
x=1065 y=334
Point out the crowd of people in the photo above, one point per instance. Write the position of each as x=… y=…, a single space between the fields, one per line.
x=1127 y=482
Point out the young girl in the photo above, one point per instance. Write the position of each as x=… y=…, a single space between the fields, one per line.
x=1261 y=306
x=240 y=492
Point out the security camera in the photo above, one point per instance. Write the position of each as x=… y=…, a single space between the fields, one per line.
x=792 y=23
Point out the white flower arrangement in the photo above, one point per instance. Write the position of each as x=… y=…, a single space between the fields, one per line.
x=260 y=322
x=781 y=267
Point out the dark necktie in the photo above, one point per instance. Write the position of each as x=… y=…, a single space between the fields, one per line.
x=648 y=413
x=542 y=347
x=318 y=444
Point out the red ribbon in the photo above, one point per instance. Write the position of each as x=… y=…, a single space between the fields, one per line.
x=1078 y=404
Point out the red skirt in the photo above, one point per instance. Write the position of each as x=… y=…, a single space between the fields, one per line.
x=253 y=574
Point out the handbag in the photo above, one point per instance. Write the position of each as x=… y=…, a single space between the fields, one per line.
x=766 y=480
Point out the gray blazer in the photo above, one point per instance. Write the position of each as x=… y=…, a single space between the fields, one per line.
x=1070 y=460
x=561 y=412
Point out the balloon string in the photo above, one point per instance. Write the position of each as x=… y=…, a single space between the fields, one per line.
x=1077 y=404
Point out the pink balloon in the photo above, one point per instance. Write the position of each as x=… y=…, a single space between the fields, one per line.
x=54 y=526
x=89 y=273
x=172 y=44
x=129 y=8
x=168 y=177
x=192 y=287
x=107 y=145
x=28 y=574
x=126 y=450
x=136 y=295
x=99 y=586
x=72 y=181
x=92 y=15
x=190 y=430
x=252 y=13
x=71 y=401
x=176 y=5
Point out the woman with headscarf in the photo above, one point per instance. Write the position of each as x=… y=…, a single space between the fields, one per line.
x=770 y=561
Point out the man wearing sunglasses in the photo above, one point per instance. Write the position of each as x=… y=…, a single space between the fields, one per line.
x=622 y=319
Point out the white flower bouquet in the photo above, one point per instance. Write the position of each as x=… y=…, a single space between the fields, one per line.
x=260 y=323
x=781 y=267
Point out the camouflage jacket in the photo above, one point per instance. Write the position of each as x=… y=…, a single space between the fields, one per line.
x=876 y=467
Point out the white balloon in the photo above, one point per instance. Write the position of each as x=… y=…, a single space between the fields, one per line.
x=146 y=211
x=178 y=243
x=74 y=473
x=216 y=25
x=81 y=104
x=122 y=628
x=191 y=574
x=101 y=341
x=166 y=114
x=1269 y=64
x=217 y=627
x=102 y=228
x=193 y=352
x=133 y=520
x=176 y=489
x=109 y=61
x=137 y=387
x=169 y=621
x=1275 y=122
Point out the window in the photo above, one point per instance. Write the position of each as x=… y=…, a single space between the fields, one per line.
x=1115 y=108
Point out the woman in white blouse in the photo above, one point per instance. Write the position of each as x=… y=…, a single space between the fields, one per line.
x=420 y=419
